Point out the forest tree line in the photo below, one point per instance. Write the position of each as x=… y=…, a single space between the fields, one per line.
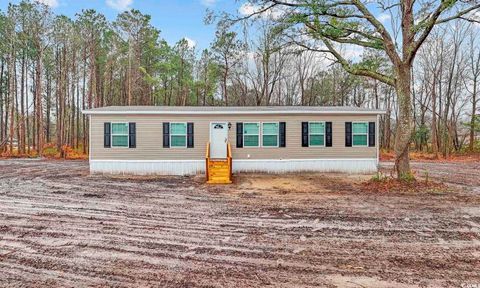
x=53 y=67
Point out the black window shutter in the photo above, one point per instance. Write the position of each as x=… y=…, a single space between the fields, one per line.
x=328 y=136
x=371 y=134
x=304 y=134
x=106 y=135
x=239 y=134
x=348 y=134
x=282 y=132
x=166 y=135
x=189 y=135
x=132 y=135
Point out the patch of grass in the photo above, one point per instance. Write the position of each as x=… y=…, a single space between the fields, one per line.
x=407 y=177
x=379 y=177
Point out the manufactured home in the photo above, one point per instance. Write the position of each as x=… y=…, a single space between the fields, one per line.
x=188 y=140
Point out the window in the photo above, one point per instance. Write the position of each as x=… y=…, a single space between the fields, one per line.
x=360 y=134
x=316 y=134
x=178 y=134
x=270 y=134
x=251 y=134
x=119 y=134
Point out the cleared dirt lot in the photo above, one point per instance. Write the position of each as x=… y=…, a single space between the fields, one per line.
x=60 y=226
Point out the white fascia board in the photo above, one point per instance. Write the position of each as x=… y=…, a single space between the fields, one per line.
x=230 y=112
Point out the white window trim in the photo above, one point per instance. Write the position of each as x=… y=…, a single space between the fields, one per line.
x=360 y=122
x=171 y=134
x=324 y=133
x=258 y=134
x=278 y=134
x=111 y=135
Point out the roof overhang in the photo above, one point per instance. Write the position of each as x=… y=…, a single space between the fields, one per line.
x=286 y=112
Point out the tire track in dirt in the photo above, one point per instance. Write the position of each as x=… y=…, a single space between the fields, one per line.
x=61 y=226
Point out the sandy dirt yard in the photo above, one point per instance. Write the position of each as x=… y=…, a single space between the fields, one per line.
x=60 y=226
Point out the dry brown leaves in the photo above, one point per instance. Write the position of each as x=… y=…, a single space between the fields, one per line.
x=396 y=185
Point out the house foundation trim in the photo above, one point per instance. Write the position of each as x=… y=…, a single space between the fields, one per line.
x=191 y=167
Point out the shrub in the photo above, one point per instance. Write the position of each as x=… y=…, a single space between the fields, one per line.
x=50 y=151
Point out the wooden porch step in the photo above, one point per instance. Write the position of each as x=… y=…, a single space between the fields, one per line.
x=218 y=165
x=218 y=161
x=219 y=174
x=219 y=180
x=219 y=169
x=214 y=167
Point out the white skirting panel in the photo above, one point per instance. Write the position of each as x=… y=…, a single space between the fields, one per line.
x=191 y=167
x=302 y=165
x=148 y=167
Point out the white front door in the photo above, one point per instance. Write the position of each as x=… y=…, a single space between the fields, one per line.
x=218 y=139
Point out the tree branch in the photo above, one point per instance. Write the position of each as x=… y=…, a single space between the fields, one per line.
x=350 y=31
x=387 y=39
x=289 y=4
x=459 y=15
x=432 y=21
x=469 y=20
x=264 y=9
x=355 y=70
x=354 y=42
x=375 y=42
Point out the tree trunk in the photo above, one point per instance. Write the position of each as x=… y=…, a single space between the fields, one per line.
x=2 y=100
x=73 y=106
x=129 y=77
x=27 y=120
x=11 y=95
x=91 y=83
x=38 y=103
x=434 y=118
x=404 y=123
x=473 y=119
x=22 y=108
x=59 y=97
x=49 y=106
x=84 y=117
x=225 y=75
x=17 y=116
x=34 y=127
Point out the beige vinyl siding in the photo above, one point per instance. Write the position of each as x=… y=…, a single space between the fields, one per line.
x=150 y=138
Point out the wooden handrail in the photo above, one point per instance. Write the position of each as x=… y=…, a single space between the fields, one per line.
x=229 y=159
x=207 y=160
